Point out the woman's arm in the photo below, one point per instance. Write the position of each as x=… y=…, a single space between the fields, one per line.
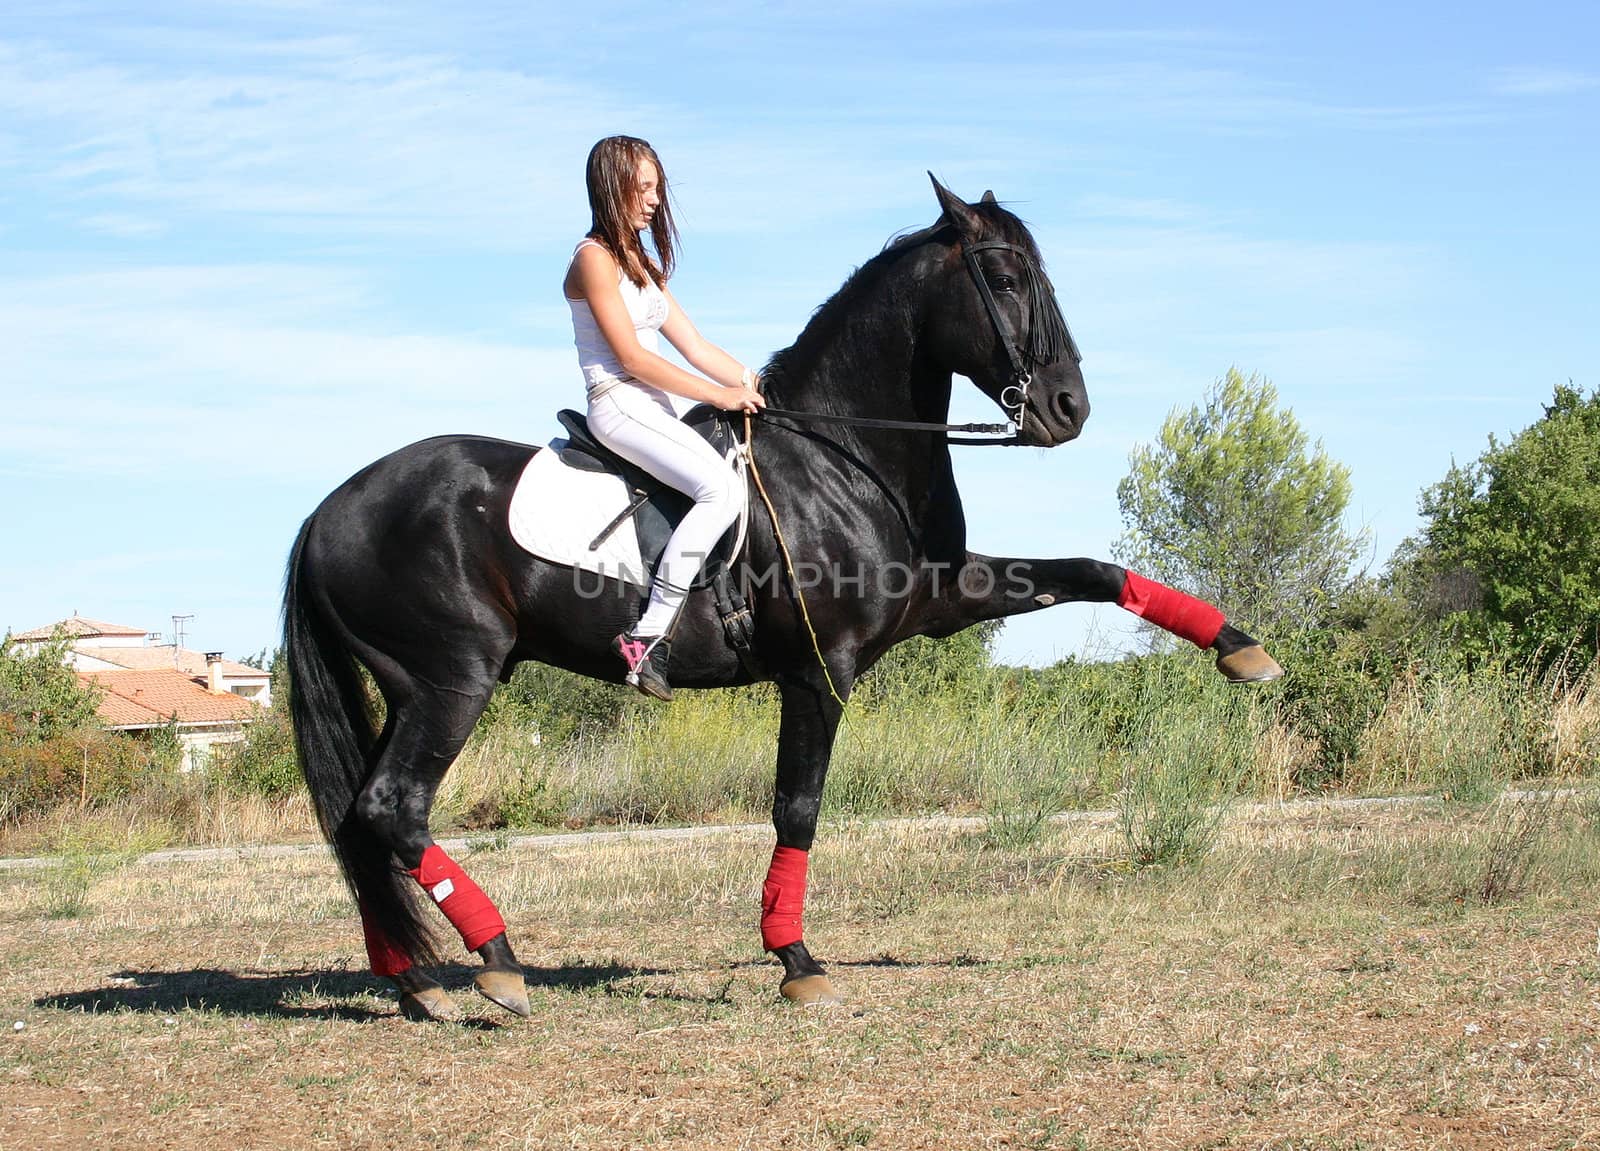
x=594 y=278
x=701 y=352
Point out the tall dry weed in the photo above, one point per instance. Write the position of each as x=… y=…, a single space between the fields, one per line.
x=1282 y=756
x=1183 y=767
x=1573 y=728
x=1453 y=736
x=85 y=853
x=1518 y=831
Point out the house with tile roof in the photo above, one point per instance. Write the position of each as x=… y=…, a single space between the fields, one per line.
x=146 y=685
x=141 y=701
x=81 y=628
x=97 y=646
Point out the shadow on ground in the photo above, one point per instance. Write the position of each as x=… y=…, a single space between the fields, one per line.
x=313 y=994
x=881 y=960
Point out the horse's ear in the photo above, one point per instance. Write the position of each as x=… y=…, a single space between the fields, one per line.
x=988 y=197
x=956 y=210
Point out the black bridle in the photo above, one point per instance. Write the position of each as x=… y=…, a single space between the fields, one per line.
x=1048 y=334
x=1048 y=339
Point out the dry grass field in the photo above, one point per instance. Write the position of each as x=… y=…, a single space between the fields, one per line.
x=1326 y=978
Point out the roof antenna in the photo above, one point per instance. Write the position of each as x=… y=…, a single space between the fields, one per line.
x=177 y=639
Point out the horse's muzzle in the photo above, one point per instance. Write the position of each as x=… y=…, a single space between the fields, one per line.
x=1054 y=418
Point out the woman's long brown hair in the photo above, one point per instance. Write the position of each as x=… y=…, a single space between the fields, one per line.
x=612 y=176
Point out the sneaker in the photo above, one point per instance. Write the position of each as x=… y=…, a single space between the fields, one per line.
x=646 y=657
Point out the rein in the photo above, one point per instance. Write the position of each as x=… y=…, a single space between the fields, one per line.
x=1007 y=430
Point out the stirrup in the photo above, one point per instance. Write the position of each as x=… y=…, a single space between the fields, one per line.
x=647 y=663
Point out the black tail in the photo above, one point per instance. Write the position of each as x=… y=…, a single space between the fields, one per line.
x=334 y=736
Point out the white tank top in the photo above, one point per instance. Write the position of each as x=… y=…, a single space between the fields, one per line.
x=647 y=308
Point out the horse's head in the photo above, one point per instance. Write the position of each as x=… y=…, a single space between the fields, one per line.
x=996 y=321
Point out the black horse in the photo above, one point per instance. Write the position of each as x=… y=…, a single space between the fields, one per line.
x=408 y=570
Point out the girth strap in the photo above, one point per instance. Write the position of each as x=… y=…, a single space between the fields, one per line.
x=738 y=624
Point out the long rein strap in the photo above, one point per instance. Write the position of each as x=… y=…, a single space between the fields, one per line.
x=1007 y=430
x=748 y=449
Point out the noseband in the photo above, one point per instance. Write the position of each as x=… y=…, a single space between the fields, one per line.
x=1048 y=335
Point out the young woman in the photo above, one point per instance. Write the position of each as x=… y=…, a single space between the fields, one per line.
x=618 y=294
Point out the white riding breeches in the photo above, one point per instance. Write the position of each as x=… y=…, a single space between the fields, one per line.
x=637 y=422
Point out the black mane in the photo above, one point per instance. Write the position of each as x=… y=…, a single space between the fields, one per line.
x=828 y=321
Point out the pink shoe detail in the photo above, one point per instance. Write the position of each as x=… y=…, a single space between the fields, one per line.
x=646 y=660
x=634 y=652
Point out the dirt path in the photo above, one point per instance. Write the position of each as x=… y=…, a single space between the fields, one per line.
x=554 y=840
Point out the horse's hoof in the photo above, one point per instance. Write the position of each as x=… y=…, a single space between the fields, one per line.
x=810 y=991
x=505 y=988
x=430 y=1005
x=1249 y=665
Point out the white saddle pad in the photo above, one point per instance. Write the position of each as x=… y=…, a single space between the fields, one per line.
x=557 y=511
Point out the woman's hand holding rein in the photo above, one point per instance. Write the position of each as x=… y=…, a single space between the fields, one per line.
x=741 y=398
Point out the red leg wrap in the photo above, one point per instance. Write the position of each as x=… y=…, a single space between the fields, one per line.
x=463 y=902
x=1183 y=615
x=382 y=952
x=783 y=898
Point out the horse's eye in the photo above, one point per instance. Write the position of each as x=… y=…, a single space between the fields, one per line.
x=1003 y=284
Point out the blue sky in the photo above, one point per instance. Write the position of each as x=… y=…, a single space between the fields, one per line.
x=245 y=248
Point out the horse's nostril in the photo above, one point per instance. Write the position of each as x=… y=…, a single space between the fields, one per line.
x=1070 y=409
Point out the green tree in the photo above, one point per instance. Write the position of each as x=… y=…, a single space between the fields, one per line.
x=1510 y=549
x=53 y=748
x=42 y=696
x=1234 y=504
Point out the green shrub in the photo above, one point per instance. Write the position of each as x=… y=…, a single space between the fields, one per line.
x=87 y=767
x=1507 y=554
x=1178 y=779
x=537 y=802
x=264 y=762
x=559 y=705
x=53 y=750
x=952 y=668
x=1330 y=695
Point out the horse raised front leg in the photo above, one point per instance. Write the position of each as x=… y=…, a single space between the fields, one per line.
x=992 y=587
x=805 y=744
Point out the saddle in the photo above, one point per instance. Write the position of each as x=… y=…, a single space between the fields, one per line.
x=656 y=509
x=587 y=454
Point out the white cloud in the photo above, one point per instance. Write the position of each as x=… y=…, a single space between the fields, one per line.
x=1542 y=81
x=350 y=129
x=329 y=137
x=340 y=138
x=123 y=226
x=268 y=372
